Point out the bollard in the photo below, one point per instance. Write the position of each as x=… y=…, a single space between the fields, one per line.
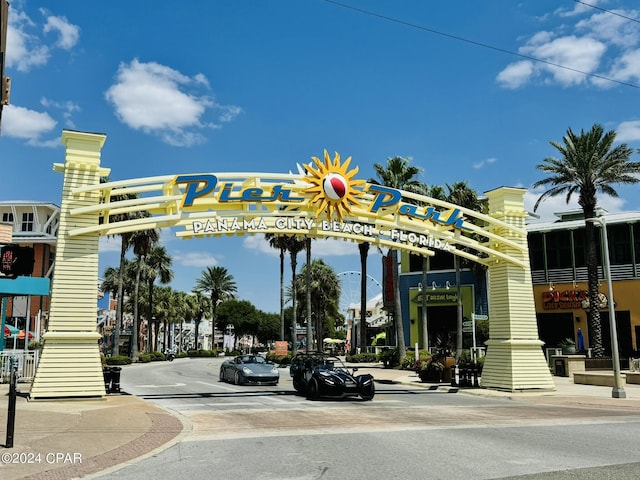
x=106 y=374
x=11 y=412
x=475 y=377
x=115 y=379
x=455 y=376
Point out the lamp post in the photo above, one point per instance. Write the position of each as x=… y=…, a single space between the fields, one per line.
x=618 y=389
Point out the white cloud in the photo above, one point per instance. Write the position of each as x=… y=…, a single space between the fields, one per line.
x=516 y=74
x=320 y=247
x=159 y=100
x=628 y=131
x=20 y=122
x=594 y=43
x=583 y=54
x=68 y=33
x=195 y=259
x=109 y=244
x=482 y=163
x=552 y=205
x=24 y=49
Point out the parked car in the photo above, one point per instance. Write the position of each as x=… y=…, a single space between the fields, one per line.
x=249 y=369
x=317 y=374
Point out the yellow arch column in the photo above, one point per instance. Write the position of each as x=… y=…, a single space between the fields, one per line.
x=514 y=360
x=70 y=362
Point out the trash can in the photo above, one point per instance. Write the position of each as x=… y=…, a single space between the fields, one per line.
x=560 y=367
x=115 y=379
x=106 y=374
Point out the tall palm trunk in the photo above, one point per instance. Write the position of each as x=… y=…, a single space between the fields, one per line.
x=282 y=334
x=364 y=251
x=402 y=350
x=120 y=304
x=456 y=262
x=423 y=298
x=308 y=298
x=135 y=352
x=294 y=338
x=593 y=316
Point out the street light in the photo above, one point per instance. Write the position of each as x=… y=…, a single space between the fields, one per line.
x=618 y=389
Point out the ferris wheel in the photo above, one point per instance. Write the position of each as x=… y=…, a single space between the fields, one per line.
x=350 y=289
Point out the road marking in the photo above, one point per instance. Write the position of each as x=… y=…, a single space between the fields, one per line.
x=219 y=386
x=160 y=386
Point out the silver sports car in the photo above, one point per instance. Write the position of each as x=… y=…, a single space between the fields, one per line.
x=249 y=369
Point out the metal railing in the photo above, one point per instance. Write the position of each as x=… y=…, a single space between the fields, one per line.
x=27 y=362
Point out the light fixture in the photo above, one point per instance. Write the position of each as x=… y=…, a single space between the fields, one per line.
x=551 y=287
x=447 y=285
x=575 y=285
x=433 y=285
x=420 y=286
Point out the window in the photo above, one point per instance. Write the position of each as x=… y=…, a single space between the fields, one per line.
x=7 y=217
x=619 y=241
x=27 y=222
x=536 y=251
x=559 y=249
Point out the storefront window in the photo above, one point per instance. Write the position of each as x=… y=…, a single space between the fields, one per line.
x=559 y=249
x=536 y=251
x=619 y=239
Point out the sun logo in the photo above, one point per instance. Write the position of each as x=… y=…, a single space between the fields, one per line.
x=334 y=189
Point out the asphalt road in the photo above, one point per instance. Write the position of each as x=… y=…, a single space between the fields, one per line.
x=269 y=433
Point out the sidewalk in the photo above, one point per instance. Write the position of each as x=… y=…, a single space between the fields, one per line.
x=74 y=438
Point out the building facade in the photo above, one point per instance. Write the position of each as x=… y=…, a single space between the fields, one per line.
x=33 y=224
x=559 y=273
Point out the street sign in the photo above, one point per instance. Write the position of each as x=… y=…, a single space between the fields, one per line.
x=480 y=317
x=467 y=329
x=467 y=323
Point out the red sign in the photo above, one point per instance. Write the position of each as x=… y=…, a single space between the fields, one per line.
x=567 y=299
x=388 y=294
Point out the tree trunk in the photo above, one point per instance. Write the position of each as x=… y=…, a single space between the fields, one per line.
x=294 y=338
x=282 y=334
x=308 y=298
x=423 y=298
x=456 y=261
x=196 y=333
x=593 y=316
x=364 y=251
x=120 y=304
x=135 y=352
x=402 y=350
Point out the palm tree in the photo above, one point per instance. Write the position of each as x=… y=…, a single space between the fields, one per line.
x=125 y=244
x=461 y=194
x=398 y=174
x=364 y=251
x=588 y=164
x=294 y=247
x=323 y=287
x=142 y=242
x=201 y=305
x=158 y=265
x=221 y=286
x=280 y=242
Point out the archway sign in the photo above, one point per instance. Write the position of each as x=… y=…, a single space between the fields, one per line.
x=324 y=198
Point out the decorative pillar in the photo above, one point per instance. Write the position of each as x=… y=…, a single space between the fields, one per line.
x=514 y=359
x=70 y=361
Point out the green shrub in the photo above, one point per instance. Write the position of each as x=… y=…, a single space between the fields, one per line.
x=389 y=358
x=410 y=362
x=157 y=356
x=202 y=353
x=145 y=358
x=118 y=360
x=279 y=359
x=364 y=357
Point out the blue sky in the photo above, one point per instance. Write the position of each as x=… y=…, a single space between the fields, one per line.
x=257 y=86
